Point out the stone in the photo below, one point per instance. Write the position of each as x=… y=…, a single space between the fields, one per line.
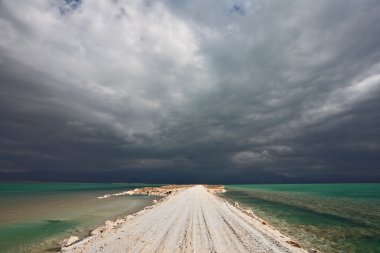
x=294 y=244
x=98 y=230
x=71 y=240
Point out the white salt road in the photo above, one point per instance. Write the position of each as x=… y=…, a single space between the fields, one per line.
x=193 y=220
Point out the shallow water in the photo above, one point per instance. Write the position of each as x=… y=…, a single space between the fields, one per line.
x=35 y=217
x=329 y=217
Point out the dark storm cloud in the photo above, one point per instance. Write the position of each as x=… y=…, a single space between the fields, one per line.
x=190 y=91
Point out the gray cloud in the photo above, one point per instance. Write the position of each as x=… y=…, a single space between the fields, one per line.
x=212 y=91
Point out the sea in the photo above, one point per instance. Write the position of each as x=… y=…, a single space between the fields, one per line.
x=336 y=218
x=333 y=218
x=36 y=217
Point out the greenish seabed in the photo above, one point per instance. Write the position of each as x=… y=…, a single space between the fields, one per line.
x=329 y=217
x=35 y=217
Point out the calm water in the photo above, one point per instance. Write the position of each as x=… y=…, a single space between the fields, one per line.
x=35 y=217
x=329 y=217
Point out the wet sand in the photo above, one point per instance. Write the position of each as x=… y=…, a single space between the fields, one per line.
x=190 y=219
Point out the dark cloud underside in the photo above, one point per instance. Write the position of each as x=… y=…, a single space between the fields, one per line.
x=190 y=91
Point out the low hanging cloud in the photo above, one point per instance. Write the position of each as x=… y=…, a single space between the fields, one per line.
x=248 y=158
x=188 y=90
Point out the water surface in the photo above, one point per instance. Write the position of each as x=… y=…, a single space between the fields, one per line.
x=330 y=217
x=35 y=217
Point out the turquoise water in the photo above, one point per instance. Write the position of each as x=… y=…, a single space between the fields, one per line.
x=329 y=217
x=35 y=217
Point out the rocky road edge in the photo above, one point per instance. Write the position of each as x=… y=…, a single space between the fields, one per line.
x=162 y=191
x=165 y=191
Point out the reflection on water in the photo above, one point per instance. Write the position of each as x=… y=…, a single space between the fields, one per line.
x=330 y=217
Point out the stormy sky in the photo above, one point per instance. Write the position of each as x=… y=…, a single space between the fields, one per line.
x=213 y=91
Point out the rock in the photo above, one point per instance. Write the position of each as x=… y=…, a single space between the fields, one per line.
x=294 y=244
x=69 y=241
x=264 y=223
x=155 y=201
x=312 y=251
x=96 y=231
x=110 y=224
x=119 y=221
